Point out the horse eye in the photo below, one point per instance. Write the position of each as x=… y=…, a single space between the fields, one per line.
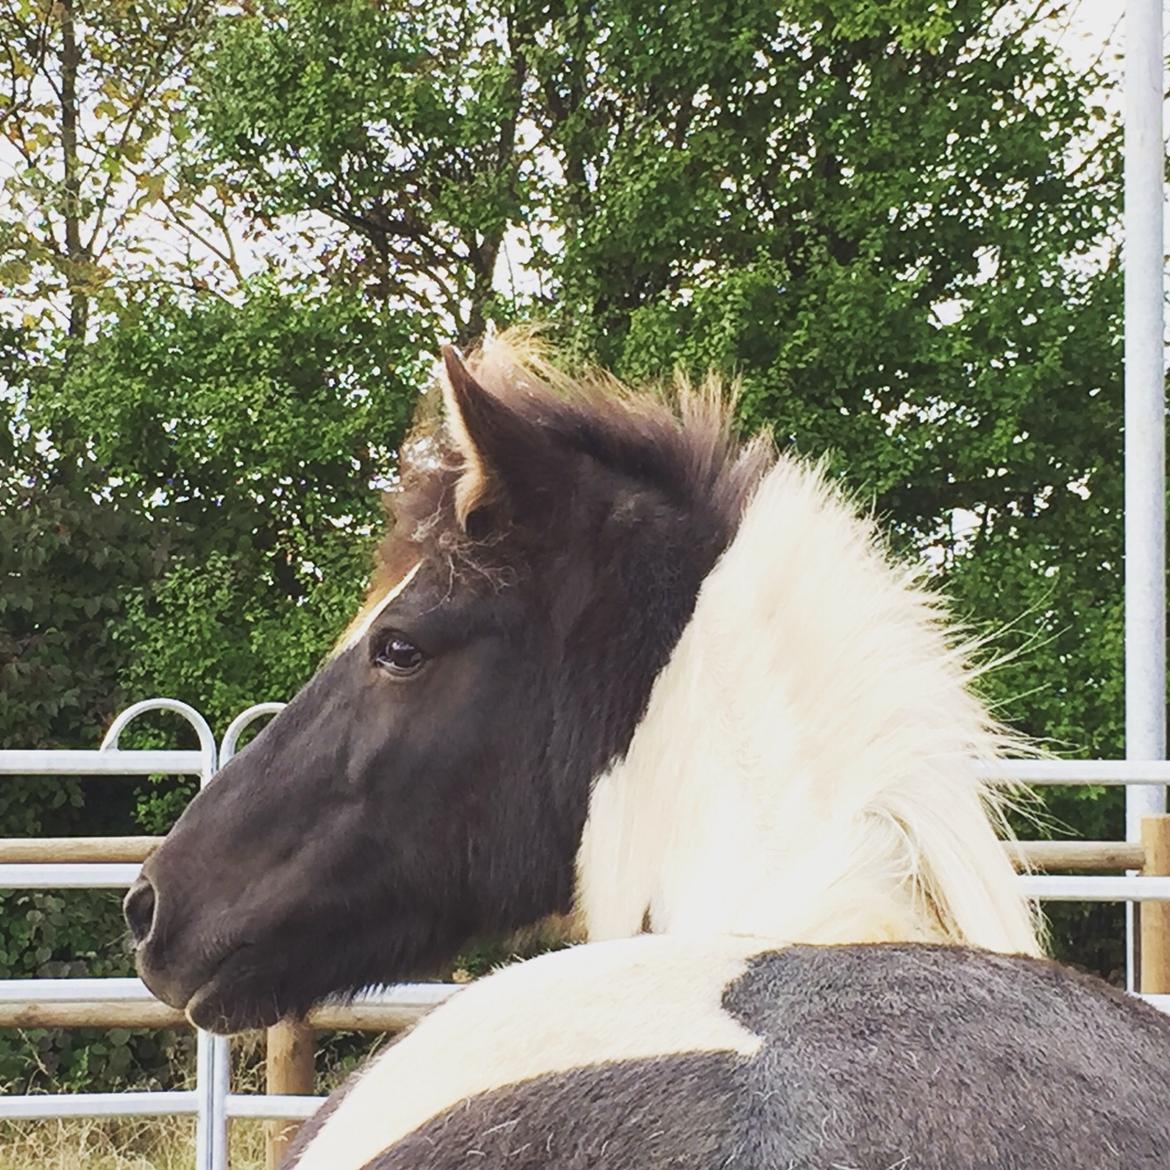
x=399 y=657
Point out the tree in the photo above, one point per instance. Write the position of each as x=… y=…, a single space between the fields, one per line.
x=94 y=122
x=248 y=436
x=396 y=123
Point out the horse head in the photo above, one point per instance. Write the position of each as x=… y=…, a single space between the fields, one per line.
x=432 y=781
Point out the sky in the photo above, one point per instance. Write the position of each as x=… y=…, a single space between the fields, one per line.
x=1093 y=33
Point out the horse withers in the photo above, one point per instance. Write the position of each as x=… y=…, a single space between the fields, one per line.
x=614 y=663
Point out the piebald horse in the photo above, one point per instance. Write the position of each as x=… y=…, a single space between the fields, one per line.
x=617 y=666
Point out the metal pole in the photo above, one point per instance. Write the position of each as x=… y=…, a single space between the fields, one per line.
x=205 y=1104
x=1145 y=438
x=212 y=1053
x=213 y=1074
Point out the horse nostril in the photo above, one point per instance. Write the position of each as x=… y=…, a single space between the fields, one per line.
x=138 y=908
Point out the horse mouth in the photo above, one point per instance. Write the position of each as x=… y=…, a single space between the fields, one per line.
x=216 y=1008
x=226 y=1000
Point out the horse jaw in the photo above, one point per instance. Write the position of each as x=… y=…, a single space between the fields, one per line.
x=807 y=766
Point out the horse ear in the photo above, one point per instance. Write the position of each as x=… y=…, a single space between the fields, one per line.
x=499 y=445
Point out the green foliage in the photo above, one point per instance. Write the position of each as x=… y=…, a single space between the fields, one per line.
x=51 y=936
x=249 y=434
x=398 y=124
x=65 y=559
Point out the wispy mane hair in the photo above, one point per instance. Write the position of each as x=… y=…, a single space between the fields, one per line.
x=677 y=437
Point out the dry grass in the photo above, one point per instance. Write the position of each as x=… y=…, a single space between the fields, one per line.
x=168 y=1143
x=149 y=1143
x=141 y=1143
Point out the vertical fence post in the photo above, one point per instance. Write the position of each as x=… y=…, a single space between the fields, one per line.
x=212 y=1053
x=1145 y=418
x=1155 y=916
x=289 y=1068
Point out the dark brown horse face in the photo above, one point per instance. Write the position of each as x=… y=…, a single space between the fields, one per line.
x=431 y=782
x=389 y=813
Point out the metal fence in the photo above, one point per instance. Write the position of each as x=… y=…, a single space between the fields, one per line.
x=211 y=1102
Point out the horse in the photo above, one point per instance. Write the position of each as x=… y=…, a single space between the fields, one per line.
x=622 y=670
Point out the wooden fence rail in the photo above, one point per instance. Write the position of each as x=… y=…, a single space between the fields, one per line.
x=1045 y=855
x=53 y=850
x=358 y=1017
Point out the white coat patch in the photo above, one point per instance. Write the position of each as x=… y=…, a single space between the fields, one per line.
x=808 y=764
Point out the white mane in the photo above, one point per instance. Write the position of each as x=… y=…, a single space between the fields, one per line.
x=807 y=767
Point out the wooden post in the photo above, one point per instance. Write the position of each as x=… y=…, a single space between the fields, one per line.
x=1155 y=916
x=289 y=1068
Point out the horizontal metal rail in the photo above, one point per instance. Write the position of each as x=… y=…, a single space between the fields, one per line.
x=153 y=1103
x=115 y=990
x=149 y=1103
x=94 y=875
x=115 y=762
x=108 y=762
x=287 y=1107
x=1077 y=888
x=1106 y=772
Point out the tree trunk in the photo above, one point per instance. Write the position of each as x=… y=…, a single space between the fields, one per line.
x=76 y=254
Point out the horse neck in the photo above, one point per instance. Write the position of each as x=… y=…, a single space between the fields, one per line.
x=808 y=765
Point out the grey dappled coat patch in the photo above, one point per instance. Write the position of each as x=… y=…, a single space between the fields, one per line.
x=944 y=1058
x=906 y=1056
x=672 y=1112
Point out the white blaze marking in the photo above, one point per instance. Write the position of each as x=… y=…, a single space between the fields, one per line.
x=633 y=999
x=363 y=627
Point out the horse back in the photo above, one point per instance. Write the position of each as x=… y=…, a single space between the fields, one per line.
x=870 y=1056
